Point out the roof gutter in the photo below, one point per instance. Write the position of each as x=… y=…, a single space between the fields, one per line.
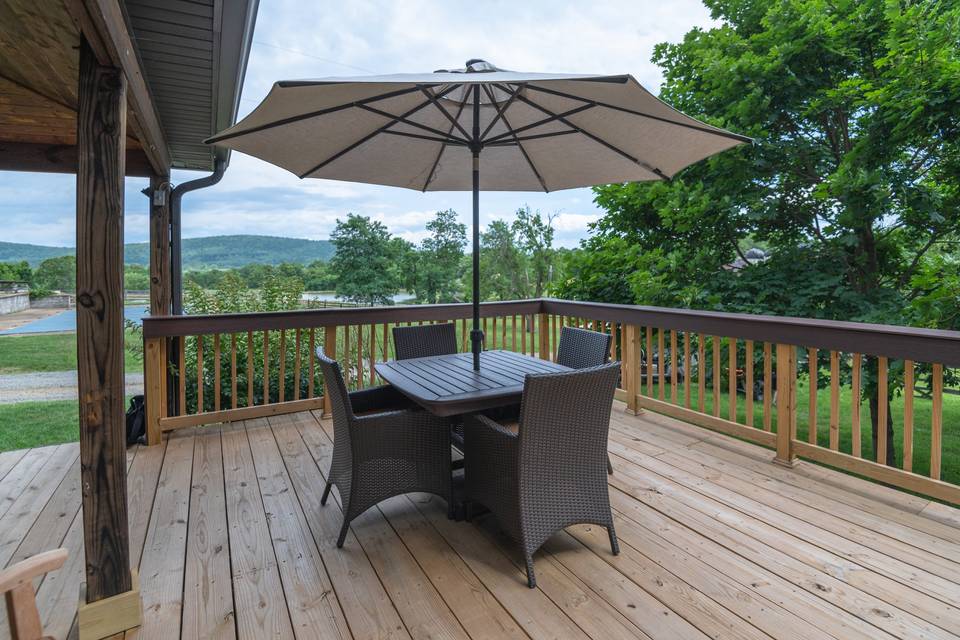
x=176 y=239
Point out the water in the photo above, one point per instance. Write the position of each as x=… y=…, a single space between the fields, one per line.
x=328 y=296
x=67 y=321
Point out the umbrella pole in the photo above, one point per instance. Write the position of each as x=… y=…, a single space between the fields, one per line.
x=476 y=336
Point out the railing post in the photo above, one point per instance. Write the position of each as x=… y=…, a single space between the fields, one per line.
x=330 y=349
x=631 y=358
x=544 y=338
x=155 y=386
x=786 y=404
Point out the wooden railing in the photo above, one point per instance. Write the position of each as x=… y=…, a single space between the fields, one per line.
x=738 y=374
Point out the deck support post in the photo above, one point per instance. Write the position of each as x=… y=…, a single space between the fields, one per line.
x=101 y=146
x=158 y=382
x=544 y=338
x=786 y=405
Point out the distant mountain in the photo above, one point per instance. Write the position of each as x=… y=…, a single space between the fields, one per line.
x=198 y=253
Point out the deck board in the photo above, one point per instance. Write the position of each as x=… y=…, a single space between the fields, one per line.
x=232 y=542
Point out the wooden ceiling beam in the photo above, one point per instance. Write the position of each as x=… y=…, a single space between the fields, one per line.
x=103 y=25
x=53 y=158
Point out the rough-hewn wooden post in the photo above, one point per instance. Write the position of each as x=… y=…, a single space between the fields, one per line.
x=160 y=299
x=101 y=143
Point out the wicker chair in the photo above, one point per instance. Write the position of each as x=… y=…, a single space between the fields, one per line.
x=548 y=473
x=579 y=349
x=424 y=341
x=383 y=447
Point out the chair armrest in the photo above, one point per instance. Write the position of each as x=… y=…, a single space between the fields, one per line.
x=385 y=397
x=27 y=570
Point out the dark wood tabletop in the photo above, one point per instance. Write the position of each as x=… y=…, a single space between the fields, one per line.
x=448 y=385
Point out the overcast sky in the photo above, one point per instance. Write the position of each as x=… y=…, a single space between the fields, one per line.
x=296 y=39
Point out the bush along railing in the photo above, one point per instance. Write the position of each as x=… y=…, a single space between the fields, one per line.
x=865 y=398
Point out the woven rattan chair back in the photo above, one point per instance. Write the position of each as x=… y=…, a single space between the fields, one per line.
x=580 y=348
x=424 y=341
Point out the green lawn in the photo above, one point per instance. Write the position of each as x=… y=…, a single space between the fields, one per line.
x=922 y=410
x=54 y=352
x=34 y=424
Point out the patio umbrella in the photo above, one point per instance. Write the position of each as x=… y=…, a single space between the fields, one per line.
x=477 y=128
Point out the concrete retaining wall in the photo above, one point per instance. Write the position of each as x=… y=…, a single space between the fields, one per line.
x=13 y=302
x=58 y=301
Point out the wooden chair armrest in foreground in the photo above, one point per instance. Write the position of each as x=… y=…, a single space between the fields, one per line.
x=16 y=583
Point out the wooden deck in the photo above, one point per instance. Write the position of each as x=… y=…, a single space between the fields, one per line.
x=231 y=542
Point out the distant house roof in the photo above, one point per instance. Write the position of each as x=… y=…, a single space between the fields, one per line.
x=184 y=61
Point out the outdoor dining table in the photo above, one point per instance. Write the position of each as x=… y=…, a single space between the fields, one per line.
x=448 y=385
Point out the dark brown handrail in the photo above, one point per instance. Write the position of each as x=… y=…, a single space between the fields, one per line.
x=918 y=344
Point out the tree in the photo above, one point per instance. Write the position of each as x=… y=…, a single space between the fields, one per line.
x=318 y=277
x=535 y=237
x=439 y=259
x=502 y=264
x=852 y=180
x=17 y=271
x=363 y=265
x=56 y=274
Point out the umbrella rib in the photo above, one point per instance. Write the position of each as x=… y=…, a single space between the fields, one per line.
x=506 y=105
x=503 y=114
x=312 y=114
x=436 y=161
x=365 y=138
x=406 y=121
x=420 y=136
x=538 y=136
x=539 y=123
x=598 y=140
x=703 y=129
x=436 y=102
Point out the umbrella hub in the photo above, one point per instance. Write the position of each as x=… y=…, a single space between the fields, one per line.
x=473 y=65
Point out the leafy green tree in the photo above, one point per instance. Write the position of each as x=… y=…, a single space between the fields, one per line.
x=534 y=235
x=18 y=271
x=136 y=277
x=57 y=274
x=363 y=264
x=318 y=277
x=502 y=264
x=852 y=180
x=439 y=259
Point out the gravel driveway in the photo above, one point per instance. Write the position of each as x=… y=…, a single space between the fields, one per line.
x=50 y=385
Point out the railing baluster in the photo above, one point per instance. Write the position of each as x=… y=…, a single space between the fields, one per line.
x=312 y=362
x=661 y=366
x=732 y=379
x=650 y=361
x=673 y=366
x=908 y=391
x=359 y=356
x=701 y=373
x=882 y=409
x=216 y=372
x=296 y=365
x=463 y=335
x=748 y=383
x=716 y=375
x=266 y=366
x=282 y=370
x=250 y=368
x=373 y=354
x=812 y=392
x=686 y=369
x=936 y=423
x=631 y=357
x=182 y=377
x=513 y=329
x=233 y=371
x=199 y=374
x=329 y=350
x=503 y=333
x=767 y=387
x=855 y=405
x=834 y=400
x=346 y=355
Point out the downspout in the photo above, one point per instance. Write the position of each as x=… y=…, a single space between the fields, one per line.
x=176 y=255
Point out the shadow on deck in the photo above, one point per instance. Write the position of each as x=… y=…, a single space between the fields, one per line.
x=231 y=541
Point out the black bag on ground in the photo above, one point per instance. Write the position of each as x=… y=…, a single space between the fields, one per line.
x=136 y=422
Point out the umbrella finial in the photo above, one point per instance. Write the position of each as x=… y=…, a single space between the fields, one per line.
x=479 y=65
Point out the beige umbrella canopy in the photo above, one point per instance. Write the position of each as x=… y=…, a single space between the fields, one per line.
x=478 y=128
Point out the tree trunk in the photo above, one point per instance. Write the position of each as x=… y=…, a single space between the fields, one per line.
x=891 y=443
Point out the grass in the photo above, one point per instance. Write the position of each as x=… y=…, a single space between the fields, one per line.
x=54 y=352
x=922 y=411
x=36 y=424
